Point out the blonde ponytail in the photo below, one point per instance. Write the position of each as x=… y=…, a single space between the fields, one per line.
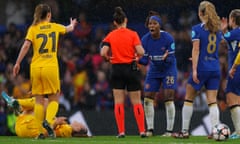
x=210 y=16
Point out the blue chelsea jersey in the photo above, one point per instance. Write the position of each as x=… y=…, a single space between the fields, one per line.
x=209 y=45
x=233 y=39
x=154 y=51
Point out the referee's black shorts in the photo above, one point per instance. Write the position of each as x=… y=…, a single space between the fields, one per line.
x=124 y=77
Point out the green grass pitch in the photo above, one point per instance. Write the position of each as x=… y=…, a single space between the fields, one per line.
x=114 y=140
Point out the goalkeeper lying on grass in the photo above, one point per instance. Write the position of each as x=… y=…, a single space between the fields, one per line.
x=27 y=125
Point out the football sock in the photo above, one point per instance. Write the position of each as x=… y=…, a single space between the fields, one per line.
x=170 y=114
x=27 y=104
x=149 y=112
x=139 y=116
x=214 y=114
x=235 y=114
x=51 y=112
x=120 y=119
x=187 y=112
x=39 y=112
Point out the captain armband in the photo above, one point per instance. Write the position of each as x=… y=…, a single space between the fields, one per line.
x=237 y=59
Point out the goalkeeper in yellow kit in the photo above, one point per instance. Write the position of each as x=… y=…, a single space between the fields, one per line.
x=43 y=35
x=27 y=125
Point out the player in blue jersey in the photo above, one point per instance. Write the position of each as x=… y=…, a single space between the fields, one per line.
x=160 y=54
x=233 y=83
x=206 y=37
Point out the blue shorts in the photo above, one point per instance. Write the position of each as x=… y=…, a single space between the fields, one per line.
x=209 y=79
x=153 y=84
x=233 y=85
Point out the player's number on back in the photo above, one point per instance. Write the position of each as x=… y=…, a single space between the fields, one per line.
x=211 y=47
x=45 y=38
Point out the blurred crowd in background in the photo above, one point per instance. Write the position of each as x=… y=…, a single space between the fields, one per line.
x=84 y=73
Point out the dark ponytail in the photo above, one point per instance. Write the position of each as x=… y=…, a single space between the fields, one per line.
x=235 y=14
x=119 y=15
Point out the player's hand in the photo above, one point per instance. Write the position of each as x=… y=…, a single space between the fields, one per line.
x=224 y=24
x=165 y=55
x=16 y=69
x=232 y=72
x=195 y=78
x=30 y=93
x=73 y=22
x=59 y=121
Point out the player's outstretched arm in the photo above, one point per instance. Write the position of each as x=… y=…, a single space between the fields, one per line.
x=71 y=26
